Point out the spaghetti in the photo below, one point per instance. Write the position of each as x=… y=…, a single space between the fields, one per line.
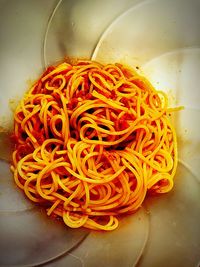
x=90 y=141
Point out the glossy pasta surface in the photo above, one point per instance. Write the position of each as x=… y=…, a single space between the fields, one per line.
x=90 y=141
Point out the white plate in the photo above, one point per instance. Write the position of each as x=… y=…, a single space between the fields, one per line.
x=163 y=39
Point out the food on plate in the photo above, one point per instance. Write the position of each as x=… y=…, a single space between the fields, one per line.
x=91 y=140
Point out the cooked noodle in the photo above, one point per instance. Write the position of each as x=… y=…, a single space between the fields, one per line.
x=90 y=141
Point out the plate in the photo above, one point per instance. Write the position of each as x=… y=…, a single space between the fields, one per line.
x=162 y=39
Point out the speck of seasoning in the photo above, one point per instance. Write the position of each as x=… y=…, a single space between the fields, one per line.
x=137 y=67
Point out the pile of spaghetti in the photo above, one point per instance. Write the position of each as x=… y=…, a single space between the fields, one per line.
x=90 y=141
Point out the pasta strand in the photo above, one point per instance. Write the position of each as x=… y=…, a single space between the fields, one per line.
x=91 y=141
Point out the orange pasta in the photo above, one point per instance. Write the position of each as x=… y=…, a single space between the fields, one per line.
x=90 y=141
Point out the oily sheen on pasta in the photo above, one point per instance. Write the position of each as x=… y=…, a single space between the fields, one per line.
x=90 y=141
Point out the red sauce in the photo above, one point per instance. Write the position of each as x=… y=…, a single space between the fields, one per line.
x=125 y=101
x=72 y=105
x=39 y=136
x=23 y=150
